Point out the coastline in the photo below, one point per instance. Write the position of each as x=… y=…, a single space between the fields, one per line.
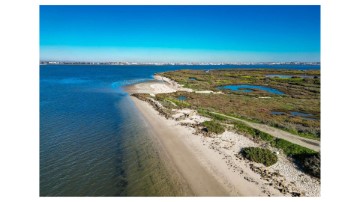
x=195 y=165
x=210 y=166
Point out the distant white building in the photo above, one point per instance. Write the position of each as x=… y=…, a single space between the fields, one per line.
x=53 y=62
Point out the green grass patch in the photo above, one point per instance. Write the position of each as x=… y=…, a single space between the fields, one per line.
x=207 y=113
x=301 y=95
x=259 y=155
x=289 y=148
x=301 y=134
x=179 y=103
x=214 y=127
x=241 y=127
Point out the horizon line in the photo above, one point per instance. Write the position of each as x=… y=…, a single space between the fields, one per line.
x=133 y=62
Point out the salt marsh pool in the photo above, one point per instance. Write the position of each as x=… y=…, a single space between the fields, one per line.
x=248 y=88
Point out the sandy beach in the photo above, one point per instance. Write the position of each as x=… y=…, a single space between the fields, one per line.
x=211 y=166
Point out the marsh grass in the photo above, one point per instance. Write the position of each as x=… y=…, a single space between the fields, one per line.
x=301 y=95
x=214 y=127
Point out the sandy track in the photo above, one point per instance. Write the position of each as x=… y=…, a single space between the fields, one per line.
x=308 y=143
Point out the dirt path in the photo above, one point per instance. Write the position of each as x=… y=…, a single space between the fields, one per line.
x=308 y=143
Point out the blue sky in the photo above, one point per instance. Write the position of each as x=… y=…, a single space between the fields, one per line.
x=180 y=33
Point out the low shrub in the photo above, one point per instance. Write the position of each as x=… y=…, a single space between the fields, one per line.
x=290 y=149
x=310 y=163
x=259 y=155
x=214 y=127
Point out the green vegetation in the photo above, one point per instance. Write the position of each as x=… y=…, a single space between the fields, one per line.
x=295 y=86
x=310 y=163
x=179 y=103
x=306 y=159
x=206 y=113
x=289 y=148
x=259 y=155
x=241 y=127
x=301 y=95
x=214 y=127
x=171 y=101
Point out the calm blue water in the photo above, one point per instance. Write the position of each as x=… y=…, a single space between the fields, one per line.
x=277 y=113
x=303 y=115
x=92 y=140
x=300 y=114
x=246 y=90
x=247 y=87
x=182 y=98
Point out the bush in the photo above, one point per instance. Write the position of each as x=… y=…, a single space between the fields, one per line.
x=310 y=163
x=290 y=149
x=260 y=155
x=214 y=127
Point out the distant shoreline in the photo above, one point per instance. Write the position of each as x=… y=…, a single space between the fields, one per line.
x=178 y=64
